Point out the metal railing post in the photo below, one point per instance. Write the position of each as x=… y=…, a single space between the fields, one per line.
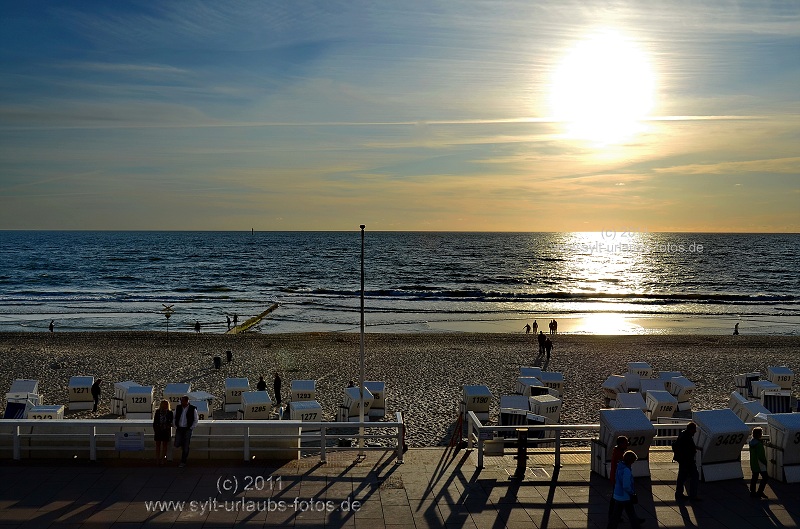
x=92 y=443
x=17 y=454
x=480 y=449
x=558 y=448
x=470 y=429
x=247 y=443
x=401 y=436
x=322 y=442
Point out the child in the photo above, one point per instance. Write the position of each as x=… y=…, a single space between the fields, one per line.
x=758 y=463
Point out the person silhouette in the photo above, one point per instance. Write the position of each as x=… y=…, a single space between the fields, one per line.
x=276 y=387
x=541 y=338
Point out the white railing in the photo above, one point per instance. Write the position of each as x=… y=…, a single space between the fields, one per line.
x=476 y=431
x=246 y=436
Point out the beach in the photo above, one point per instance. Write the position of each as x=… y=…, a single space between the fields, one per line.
x=424 y=373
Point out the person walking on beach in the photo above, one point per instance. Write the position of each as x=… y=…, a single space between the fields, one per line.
x=229 y=321
x=197 y=326
x=535 y=327
x=758 y=463
x=185 y=422
x=684 y=451
x=548 y=346
x=262 y=384
x=235 y=320
x=96 y=392
x=527 y=328
x=555 y=327
x=624 y=493
x=541 y=338
x=276 y=387
x=736 y=329
x=52 y=325
x=162 y=430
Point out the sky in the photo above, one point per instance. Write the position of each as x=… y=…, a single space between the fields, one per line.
x=415 y=115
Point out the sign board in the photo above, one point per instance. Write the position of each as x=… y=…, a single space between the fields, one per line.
x=129 y=441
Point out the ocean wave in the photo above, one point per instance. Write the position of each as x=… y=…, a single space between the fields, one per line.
x=327 y=306
x=121 y=278
x=631 y=297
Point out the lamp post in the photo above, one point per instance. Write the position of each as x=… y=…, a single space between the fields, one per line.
x=361 y=363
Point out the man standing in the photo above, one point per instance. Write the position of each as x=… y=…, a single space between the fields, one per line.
x=684 y=451
x=185 y=421
x=96 y=393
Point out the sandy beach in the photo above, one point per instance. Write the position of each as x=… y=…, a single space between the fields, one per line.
x=424 y=373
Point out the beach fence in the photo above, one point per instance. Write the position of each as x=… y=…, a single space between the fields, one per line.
x=99 y=439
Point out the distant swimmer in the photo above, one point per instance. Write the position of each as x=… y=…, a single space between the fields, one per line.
x=52 y=325
x=736 y=330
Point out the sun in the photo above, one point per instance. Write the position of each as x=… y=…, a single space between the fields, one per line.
x=603 y=89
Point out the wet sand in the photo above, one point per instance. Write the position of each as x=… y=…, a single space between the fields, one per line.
x=424 y=373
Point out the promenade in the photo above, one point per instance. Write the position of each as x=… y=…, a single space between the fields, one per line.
x=435 y=487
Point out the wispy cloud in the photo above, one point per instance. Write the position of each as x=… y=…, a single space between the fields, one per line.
x=777 y=165
x=417 y=113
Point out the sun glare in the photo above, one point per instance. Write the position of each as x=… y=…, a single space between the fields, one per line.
x=603 y=89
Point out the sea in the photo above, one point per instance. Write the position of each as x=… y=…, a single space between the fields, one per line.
x=626 y=282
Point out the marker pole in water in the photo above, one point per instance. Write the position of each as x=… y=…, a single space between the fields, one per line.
x=361 y=365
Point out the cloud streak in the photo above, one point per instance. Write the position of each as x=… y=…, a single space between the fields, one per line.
x=409 y=115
